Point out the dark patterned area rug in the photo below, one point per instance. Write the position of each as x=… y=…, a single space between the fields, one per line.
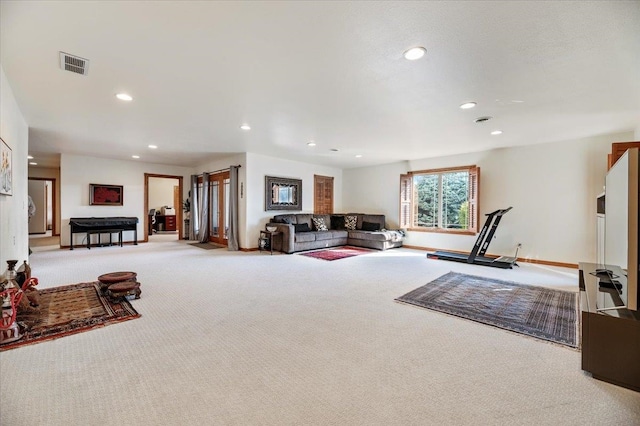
x=69 y=310
x=539 y=312
x=336 y=253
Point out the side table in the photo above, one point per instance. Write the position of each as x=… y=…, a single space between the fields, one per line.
x=265 y=241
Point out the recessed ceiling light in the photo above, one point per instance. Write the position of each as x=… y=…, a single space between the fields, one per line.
x=124 y=97
x=496 y=132
x=481 y=119
x=30 y=157
x=245 y=127
x=153 y=146
x=33 y=163
x=415 y=53
x=468 y=105
x=358 y=155
x=312 y=143
x=135 y=156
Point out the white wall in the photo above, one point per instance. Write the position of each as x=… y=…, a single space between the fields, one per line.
x=77 y=172
x=259 y=166
x=374 y=190
x=161 y=192
x=551 y=187
x=14 y=234
x=54 y=174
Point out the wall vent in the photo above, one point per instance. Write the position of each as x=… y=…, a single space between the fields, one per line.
x=74 y=64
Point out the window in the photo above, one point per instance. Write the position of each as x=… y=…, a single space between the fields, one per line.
x=442 y=200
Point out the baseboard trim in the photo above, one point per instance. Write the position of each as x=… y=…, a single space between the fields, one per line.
x=520 y=259
x=75 y=246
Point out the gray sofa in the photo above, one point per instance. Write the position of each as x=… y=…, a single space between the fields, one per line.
x=374 y=235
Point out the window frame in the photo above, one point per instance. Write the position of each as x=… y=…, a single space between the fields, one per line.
x=407 y=197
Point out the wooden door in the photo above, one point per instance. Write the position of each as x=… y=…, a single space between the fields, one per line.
x=322 y=194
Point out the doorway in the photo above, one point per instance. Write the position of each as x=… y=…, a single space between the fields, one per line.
x=163 y=206
x=43 y=228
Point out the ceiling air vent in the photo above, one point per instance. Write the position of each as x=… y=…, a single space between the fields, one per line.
x=74 y=64
x=481 y=119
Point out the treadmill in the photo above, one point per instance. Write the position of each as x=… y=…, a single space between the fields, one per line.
x=477 y=255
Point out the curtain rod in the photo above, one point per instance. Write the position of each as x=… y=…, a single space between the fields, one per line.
x=221 y=170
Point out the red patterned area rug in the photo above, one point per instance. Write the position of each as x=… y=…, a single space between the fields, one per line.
x=336 y=253
x=69 y=310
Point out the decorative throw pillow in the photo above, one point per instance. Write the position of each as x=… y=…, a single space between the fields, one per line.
x=337 y=222
x=318 y=223
x=350 y=222
x=370 y=226
x=302 y=227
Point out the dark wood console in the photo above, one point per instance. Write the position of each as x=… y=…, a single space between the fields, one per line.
x=610 y=333
x=163 y=223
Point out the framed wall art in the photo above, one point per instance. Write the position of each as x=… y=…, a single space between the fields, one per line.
x=105 y=195
x=283 y=193
x=6 y=169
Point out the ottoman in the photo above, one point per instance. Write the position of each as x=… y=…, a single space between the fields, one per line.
x=124 y=289
x=115 y=277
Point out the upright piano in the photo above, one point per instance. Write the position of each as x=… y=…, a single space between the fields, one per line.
x=103 y=225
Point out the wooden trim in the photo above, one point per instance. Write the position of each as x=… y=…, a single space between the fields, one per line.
x=473 y=201
x=520 y=259
x=443 y=170
x=406 y=201
x=618 y=149
x=178 y=209
x=442 y=231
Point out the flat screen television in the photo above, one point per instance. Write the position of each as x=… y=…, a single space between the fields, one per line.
x=622 y=217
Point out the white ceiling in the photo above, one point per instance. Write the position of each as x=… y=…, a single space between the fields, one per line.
x=331 y=72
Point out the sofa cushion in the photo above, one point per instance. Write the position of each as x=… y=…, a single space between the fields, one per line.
x=337 y=222
x=370 y=226
x=331 y=234
x=305 y=237
x=371 y=218
x=318 y=224
x=371 y=236
x=285 y=218
x=304 y=218
x=302 y=227
x=350 y=222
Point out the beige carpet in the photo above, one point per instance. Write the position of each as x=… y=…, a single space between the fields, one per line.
x=232 y=338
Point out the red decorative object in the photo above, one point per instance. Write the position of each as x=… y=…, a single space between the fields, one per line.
x=9 y=330
x=105 y=195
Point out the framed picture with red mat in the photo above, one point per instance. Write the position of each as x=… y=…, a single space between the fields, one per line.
x=106 y=195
